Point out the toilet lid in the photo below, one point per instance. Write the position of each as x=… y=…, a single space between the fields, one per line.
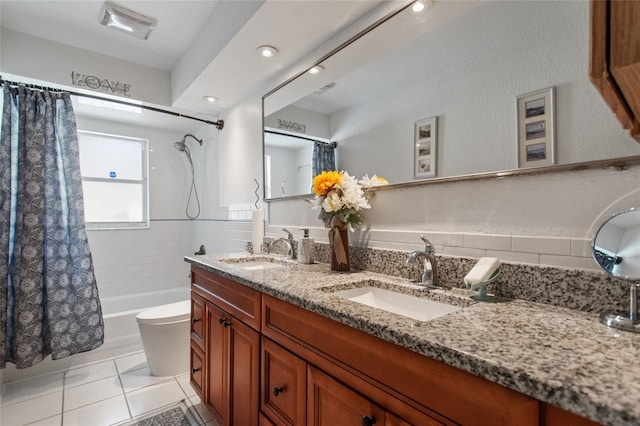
x=166 y=313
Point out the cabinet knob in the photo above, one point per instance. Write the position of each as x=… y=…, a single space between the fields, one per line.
x=368 y=421
x=195 y=320
x=226 y=323
x=277 y=390
x=194 y=370
x=221 y=320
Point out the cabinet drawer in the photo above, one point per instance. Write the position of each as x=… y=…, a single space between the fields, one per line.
x=284 y=385
x=239 y=300
x=197 y=319
x=197 y=369
x=413 y=377
x=331 y=403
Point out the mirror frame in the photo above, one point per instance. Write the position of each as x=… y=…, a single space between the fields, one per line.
x=620 y=163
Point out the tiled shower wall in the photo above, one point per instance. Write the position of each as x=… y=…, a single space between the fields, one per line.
x=138 y=261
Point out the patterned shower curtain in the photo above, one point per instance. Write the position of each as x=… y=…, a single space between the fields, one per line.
x=324 y=157
x=48 y=294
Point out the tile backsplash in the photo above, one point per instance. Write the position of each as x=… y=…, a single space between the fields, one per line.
x=579 y=289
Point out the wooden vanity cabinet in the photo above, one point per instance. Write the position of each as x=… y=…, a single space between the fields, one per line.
x=258 y=360
x=614 y=65
x=413 y=387
x=229 y=350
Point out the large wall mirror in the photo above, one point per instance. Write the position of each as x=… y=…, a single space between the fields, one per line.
x=463 y=62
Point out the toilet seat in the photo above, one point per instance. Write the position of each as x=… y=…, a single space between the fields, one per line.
x=172 y=312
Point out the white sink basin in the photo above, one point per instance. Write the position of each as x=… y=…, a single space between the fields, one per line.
x=398 y=303
x=254 y=266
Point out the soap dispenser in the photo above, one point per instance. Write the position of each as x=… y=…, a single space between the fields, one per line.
x=305 y=248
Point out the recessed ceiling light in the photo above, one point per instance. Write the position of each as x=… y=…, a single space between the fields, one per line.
x=210 y=99
x=267 y=51
x=421 y=5
x=417 y=7
x=316 y=69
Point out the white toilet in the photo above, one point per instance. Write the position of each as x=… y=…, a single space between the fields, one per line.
x=165 y=337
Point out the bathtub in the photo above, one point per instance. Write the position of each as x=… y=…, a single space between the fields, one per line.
x=121 y=334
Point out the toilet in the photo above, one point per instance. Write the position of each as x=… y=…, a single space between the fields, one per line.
x=165 y=337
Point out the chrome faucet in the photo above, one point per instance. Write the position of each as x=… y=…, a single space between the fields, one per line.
x=430 y=268
x=291 y=254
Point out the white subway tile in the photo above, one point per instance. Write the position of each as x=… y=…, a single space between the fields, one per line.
x=463 y=252
x=488 y=242
x=569 y=262
x=542 y=245
x=581 y=247
x=515 y=257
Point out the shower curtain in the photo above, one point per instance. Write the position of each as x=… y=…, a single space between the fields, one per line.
x=324 y=157
x=48 y=294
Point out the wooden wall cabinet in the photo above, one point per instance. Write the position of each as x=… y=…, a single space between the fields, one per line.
x=614 y=63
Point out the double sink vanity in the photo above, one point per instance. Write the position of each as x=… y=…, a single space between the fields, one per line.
x=275 y=342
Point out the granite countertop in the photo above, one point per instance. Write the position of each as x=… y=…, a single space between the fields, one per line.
x=557 y=355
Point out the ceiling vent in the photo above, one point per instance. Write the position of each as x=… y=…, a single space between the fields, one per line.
x=127 y=21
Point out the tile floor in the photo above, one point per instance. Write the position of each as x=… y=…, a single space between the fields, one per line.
x=102 y=393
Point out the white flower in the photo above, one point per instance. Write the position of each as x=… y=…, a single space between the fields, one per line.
x=375 y=180
x=333 y=202
x=352 y=194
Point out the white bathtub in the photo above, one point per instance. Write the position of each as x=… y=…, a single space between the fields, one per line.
x=121 y=334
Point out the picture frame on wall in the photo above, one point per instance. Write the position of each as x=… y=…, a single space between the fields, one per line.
x=425 y=147
x=536 y=128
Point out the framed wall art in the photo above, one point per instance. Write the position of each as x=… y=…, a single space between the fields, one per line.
x=425 y=147
x=536 y=128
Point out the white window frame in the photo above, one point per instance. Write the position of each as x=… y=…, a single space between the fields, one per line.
x=145 y=223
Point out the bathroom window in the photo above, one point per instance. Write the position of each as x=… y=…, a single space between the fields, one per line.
x=114 y=180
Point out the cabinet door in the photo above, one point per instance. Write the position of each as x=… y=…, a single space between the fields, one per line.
x=284 y=385
x=217 y=361
x=330 y=403
x=197 y=319
x=197 y=369
x=244 y=373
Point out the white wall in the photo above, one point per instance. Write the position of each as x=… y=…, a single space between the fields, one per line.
x=316 y=124
x=52 y=62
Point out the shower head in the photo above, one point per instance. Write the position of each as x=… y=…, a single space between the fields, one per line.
x=182 y=144
x=184 y=138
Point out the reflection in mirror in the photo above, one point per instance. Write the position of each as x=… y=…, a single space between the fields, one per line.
x=616 y=245
x=464 y=62
x=288 y=164
x=616 y=248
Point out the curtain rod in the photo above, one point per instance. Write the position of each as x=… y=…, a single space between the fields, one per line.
x=274 y=132
x=219 y=124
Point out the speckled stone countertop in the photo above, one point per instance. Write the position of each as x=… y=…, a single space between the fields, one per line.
x=557 y=355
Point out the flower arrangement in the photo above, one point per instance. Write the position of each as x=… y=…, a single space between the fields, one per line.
x=337 y=194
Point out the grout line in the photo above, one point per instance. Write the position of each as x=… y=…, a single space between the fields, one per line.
x=64 y=381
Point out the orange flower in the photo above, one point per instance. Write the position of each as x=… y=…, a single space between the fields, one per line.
x=323 y=182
